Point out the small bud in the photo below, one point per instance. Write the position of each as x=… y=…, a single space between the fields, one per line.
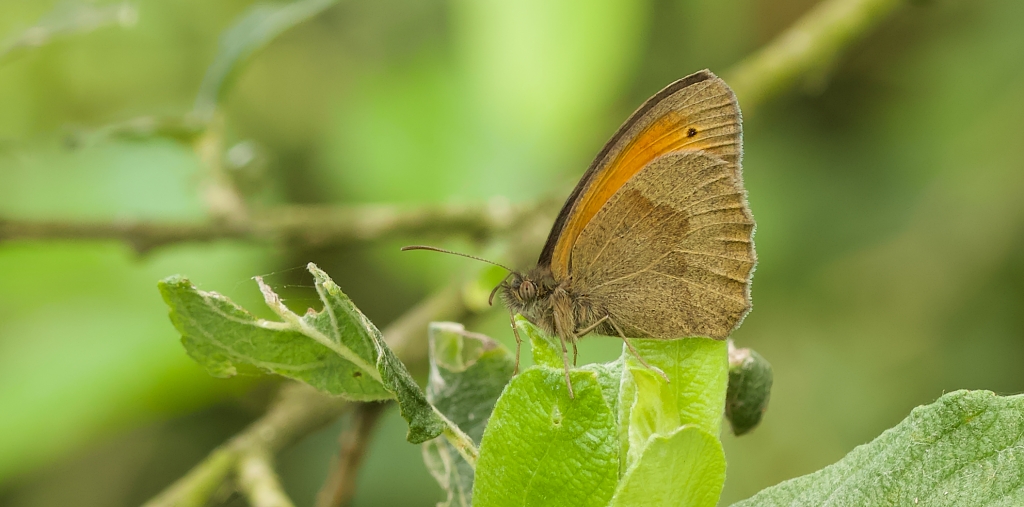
x=750 y=385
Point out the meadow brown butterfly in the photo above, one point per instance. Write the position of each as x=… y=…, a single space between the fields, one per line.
x=656 y=240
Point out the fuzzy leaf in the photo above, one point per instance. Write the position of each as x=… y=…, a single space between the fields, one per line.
x=683 y=467
x=542 y=448
x=966 y=449
x=546 y=350
x=698 y=369
x=468 y=371
x=336 y=350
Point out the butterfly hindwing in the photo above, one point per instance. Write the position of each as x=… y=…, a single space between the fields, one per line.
x=671 y=253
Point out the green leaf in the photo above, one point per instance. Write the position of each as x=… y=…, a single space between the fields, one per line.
x=468 y=371
x=547 y=350
x=255 y=28
x=684 y=467
x=609 y=375
x=698 y=370
x=542 y=448
x=965 y=449
x=221 y=336
x=336 y=350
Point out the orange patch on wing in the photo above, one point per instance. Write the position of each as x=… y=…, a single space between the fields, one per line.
x=665 y=135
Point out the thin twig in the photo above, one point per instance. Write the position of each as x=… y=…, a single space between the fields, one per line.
x=807 y=48
x=340 y=486
x=258 y=481
x=462 y=443
x=295 y=226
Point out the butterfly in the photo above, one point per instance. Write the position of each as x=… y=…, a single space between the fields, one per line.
x=656 y=239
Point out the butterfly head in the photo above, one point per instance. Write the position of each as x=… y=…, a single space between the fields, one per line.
x=523 y=291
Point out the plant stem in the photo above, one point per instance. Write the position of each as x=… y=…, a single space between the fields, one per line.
x=340 y=486
x=197 y=486
x=296 y=226
x=807 y=48
x=258 y=481
x=462 y=443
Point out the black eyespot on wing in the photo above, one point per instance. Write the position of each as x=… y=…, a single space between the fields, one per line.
x=690 y=132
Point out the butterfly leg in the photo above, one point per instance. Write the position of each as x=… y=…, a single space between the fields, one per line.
x=519 y=341
x=594 y=326
x=582 y=333
x=565 y=357
x=634 y=352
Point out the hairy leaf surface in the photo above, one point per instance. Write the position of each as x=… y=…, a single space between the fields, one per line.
x=966 y=449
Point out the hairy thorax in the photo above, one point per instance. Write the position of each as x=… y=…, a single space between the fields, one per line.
x=550 y=304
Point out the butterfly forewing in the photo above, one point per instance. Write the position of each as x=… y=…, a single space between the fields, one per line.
x=670 y=254
x=698 y=112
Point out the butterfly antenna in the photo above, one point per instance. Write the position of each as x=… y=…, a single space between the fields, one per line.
x=435 y=249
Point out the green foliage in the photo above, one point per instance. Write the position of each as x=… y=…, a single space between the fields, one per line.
x=626 y=430
x=683 y=467
x=468 y=372
x=336 y=350
x=543 y=448
x=628 y=438
x=966 y=449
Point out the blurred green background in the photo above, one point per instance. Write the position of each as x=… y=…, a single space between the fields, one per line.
x=889 y=201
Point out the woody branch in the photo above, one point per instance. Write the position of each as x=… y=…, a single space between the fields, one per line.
x=296 y=226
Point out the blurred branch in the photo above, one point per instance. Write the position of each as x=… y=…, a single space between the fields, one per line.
x=67 y=18
x=807 y=49
x=298 y=410
x=292 y=225
x=339 y=488
x=258 y=481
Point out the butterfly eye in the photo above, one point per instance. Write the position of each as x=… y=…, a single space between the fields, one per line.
x=527 y=290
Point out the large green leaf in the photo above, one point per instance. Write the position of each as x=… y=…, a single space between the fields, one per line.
x=966 y=449
x=698 y=373
x=666 y=431
x=542 y=448
x=683 y=467
x=468 y=371
x=337 y=350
